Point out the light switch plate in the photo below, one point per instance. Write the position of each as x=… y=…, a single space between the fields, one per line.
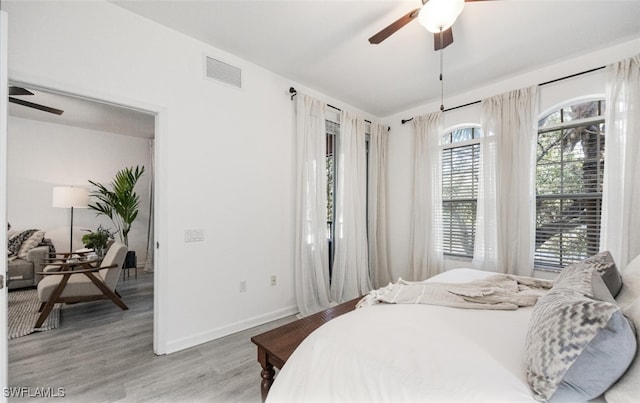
x=193 y=235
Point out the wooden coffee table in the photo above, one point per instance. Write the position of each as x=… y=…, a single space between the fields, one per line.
x=276 y=346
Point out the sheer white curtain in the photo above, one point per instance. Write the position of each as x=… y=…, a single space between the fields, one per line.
x=505 y=231
x=350 y=277
x=311 y=249
x=426 y=257
x=377 y=211
x=621 y=194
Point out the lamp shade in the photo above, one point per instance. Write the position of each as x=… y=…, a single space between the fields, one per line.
x=67 y=196
x=437 y=15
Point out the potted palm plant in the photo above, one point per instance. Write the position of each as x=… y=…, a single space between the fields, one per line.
x=120 y=203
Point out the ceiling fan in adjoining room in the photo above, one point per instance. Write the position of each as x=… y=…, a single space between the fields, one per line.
x=436 y=16
x=19 y=91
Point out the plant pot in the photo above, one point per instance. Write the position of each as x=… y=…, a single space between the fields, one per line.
x=131 y=260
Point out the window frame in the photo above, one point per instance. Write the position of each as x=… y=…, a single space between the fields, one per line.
x=564 y=255
x=475 y=143
x=331 y=151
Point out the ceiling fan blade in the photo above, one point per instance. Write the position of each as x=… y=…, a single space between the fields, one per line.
x=35 y=106
x=447 y=39
x=13 y=90
x=391 y=29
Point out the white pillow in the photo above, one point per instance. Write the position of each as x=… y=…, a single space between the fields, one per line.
x=627 y=389
x=630 y=291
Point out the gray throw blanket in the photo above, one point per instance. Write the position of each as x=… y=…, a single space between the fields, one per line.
x=500 y=291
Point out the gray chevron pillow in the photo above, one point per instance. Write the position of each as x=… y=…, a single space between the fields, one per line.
x=576 y=347
x=603 y=265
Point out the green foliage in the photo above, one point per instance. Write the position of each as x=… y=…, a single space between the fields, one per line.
x=121 y=202
x=97 y=239
x=569 y=180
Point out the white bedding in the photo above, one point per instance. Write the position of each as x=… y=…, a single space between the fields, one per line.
x=410 y=353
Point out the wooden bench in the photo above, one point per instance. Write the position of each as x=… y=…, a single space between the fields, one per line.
x=276 y=346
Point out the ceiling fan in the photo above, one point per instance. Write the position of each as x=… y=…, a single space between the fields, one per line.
x=436 y=16
x=19 y=91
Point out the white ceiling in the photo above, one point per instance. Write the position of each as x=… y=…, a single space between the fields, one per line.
x=84 y=113
x=323 y=44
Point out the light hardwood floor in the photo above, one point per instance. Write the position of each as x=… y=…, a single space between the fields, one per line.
x=103 y=354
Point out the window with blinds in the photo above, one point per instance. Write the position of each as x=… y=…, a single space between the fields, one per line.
x=569 y=173
x=460 y=163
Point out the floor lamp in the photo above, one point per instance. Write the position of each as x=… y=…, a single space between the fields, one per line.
x=70 y=197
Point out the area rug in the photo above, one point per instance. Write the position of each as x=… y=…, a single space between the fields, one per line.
x=23 y=314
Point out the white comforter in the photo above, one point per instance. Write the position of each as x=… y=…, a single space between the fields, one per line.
x=411 y=353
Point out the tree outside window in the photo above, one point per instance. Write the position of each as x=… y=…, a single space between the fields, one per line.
x=569 y=173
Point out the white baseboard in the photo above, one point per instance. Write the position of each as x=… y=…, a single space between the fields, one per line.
x=209 y=335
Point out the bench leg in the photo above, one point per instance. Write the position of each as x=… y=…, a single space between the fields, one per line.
x=267 y=380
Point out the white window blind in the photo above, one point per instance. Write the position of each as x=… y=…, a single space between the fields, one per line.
x=569 y=173
x=460 y=163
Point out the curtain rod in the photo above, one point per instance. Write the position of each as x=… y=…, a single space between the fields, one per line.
x=539 y=85
x=293 y=93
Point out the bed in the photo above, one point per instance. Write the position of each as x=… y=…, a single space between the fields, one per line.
x=427 y=353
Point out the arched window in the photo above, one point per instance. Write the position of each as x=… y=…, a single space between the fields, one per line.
x=460 y=164
x=569 y=173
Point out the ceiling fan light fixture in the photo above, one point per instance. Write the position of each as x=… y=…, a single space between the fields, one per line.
x=439 y=15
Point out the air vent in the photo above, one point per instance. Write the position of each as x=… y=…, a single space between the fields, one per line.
x=223 y=72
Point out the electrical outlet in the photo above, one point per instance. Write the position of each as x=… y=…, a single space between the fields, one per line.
x=243 y=286
x=274 y=280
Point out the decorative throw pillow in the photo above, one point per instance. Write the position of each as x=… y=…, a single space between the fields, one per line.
x=627 y=389
x=30 y=242
x=15 y=239
x=576 y=347
x=603 y=264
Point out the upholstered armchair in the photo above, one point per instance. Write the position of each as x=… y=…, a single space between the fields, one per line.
x=79 y=280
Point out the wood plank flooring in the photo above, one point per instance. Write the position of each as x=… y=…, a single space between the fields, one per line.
x=103 y=354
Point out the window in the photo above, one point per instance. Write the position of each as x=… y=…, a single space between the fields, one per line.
x=332 y=132
x=333 y=129
x=460 y=163
x=569 y=173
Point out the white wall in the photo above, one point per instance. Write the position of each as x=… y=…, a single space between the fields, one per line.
x=225 y=157
x=44 y=155
x=551 y=96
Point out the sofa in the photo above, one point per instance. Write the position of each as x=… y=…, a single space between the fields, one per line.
x=26 y=257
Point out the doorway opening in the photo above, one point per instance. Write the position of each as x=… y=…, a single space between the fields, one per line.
x=91 y=140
